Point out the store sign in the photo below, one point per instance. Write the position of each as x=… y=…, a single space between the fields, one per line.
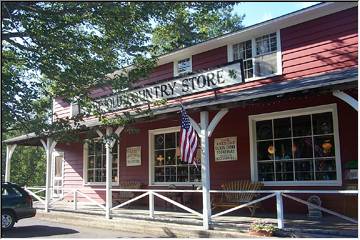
x=133 y=156
x=225 y=149
x=220 y=77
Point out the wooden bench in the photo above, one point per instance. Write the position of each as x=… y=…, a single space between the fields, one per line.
x=229 y=200
x=121 y=197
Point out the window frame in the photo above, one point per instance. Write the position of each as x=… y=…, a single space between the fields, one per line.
x=230 y=53
x=176 y=66
x=151 y=135
x=292 y=113
x=85 y=166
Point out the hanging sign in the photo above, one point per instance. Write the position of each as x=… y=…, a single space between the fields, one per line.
x=133 y=156
x=225 y=149
x=213 y=79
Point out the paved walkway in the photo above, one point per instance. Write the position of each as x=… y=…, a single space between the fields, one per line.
x=295 y=225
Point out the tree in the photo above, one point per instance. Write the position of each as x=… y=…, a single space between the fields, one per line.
x=186 y=27
x=52 y=49
x=66 y=48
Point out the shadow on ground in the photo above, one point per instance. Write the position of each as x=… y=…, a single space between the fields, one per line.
x=36 y=231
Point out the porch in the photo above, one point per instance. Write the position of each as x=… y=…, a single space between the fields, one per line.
x=296 y=225
x=230 y=220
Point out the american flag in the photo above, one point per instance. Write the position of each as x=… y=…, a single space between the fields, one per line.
x=188 y=139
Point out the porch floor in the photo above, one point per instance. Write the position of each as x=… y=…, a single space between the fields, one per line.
x=296 y=224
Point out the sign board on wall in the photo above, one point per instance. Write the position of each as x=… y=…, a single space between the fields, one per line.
x=221 y=77
x=133 y=156
x=225 y=149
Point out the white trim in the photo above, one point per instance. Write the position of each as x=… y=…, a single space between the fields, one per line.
x=176 y=68
x=346 y=98
x=296 y=112
x=151 y=134
x=230 y=53
x=85 y=163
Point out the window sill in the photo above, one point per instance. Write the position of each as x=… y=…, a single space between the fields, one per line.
x=260 y=78
x=304 y=183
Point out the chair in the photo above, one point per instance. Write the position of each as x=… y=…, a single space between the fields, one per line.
x=120 y=197
x=228 y=200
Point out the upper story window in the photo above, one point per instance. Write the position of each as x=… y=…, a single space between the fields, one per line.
x=183 y=66
x=299 y=147
x=261 y=56
x=167 y=168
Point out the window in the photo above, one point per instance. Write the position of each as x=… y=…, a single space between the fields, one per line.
x=261 y=56
x=243 y=51
x=296 y=148
x=95 y=162
x=166 y=165
x=9 y=191
x=183 y=66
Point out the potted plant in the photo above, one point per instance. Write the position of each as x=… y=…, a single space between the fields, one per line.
x=262 y=228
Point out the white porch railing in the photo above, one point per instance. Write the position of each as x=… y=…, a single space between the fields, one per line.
x=278 y=194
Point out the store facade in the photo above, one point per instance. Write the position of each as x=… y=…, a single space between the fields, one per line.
x=279 y=100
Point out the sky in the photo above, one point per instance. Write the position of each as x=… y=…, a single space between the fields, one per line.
x=261 y=11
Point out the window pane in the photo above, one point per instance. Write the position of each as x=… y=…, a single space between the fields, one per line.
x=170 y=174
x=264 y=130
x=170 y=157
x=301 y=125
x=159 y=141
x=265 y=65
x=91 y=148
x=283 y=149
x=184 y=65
x=170 y=140
x=90 y=174
x=265 y=150
x=282 y=127
x=91 y=162
x=325 y=169
x=303 y=147
x=98 y=161
x=98 y=148
x=98 y=175
x=195 y=174
x=159 y=158
x=114 y=161
x=159 y=174
x=182 y=174
x=114 y=175
x=324 y=146
x=115 y=148
x=304 y=170
x=322 y=123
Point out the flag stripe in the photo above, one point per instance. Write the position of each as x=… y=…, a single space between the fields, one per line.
x=188 y=139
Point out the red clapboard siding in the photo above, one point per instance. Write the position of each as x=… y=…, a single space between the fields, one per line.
x=209 y=59
x=159 y=73
x=325 y=44
x=61 y=109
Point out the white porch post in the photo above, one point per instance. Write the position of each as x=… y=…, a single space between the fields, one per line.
x=205 y=168
x=108 y=173
x=204 y=131
x=9 y=152
x=109 y=146
x=49 y=147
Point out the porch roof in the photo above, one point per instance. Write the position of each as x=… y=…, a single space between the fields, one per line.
x=327 y=81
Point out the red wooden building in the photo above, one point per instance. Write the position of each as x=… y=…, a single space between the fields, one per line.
x=276 y=103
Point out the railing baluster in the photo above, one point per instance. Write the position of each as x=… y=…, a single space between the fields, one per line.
x=151 y=204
